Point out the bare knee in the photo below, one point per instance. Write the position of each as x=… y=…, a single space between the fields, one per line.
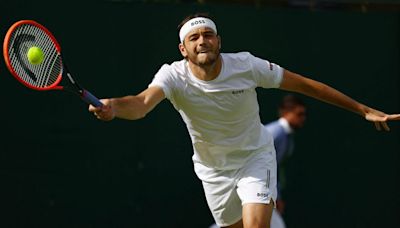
x=257 y=215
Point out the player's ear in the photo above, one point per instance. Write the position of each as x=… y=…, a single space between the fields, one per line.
x=182 y=49
x=219 y=41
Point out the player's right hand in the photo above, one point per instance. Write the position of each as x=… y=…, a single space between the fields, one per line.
x=104 y=112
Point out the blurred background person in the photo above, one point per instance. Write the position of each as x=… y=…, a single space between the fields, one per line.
x=292 y=115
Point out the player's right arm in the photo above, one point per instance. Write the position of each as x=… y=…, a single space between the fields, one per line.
x=129 y=107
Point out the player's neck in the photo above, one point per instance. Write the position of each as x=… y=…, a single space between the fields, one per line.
x=206 y=73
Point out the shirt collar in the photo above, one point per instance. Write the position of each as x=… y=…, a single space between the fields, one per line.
x=285 y=124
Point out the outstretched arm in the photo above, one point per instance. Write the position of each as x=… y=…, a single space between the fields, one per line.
x=297 y=83
x=129 y=107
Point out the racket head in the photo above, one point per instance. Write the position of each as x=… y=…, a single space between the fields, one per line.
x=23 y=35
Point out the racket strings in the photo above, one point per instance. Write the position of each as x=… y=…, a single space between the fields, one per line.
x=41 y=75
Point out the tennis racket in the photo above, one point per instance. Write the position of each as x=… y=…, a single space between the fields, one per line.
x=48 y=72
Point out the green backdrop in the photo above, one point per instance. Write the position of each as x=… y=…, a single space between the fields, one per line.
x=60 y=167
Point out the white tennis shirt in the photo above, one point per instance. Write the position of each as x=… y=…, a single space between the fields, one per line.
x=221 y=115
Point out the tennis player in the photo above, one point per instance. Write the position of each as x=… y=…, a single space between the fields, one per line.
x=215 y=95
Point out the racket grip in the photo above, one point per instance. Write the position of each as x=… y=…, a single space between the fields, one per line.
x=90 y=98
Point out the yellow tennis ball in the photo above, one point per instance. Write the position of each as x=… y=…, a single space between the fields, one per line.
x=35 y=55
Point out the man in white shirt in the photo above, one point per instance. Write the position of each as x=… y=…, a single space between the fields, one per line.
x=215 y=94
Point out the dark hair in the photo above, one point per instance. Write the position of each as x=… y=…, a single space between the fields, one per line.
x=188 y=18
x=289 y=102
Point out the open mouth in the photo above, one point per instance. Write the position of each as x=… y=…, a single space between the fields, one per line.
x=202 y=51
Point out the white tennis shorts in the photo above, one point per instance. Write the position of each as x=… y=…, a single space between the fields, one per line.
x=227 y=190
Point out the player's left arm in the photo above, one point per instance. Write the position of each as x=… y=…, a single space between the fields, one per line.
x=297 y=83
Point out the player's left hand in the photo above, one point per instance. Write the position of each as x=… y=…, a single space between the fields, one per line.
x=380 y=119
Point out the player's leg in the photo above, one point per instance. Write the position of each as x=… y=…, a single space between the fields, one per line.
x=239 y=224
x=254 y=215
x=257 y=215
x=257 y=188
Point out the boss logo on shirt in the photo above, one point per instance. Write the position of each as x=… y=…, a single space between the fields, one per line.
x=238 y=91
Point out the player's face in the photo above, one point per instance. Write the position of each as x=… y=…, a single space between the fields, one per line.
x=201 y=47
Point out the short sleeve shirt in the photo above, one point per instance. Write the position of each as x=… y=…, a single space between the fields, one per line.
x=221 y=115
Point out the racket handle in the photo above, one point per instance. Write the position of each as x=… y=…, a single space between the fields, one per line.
x=90 y=98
